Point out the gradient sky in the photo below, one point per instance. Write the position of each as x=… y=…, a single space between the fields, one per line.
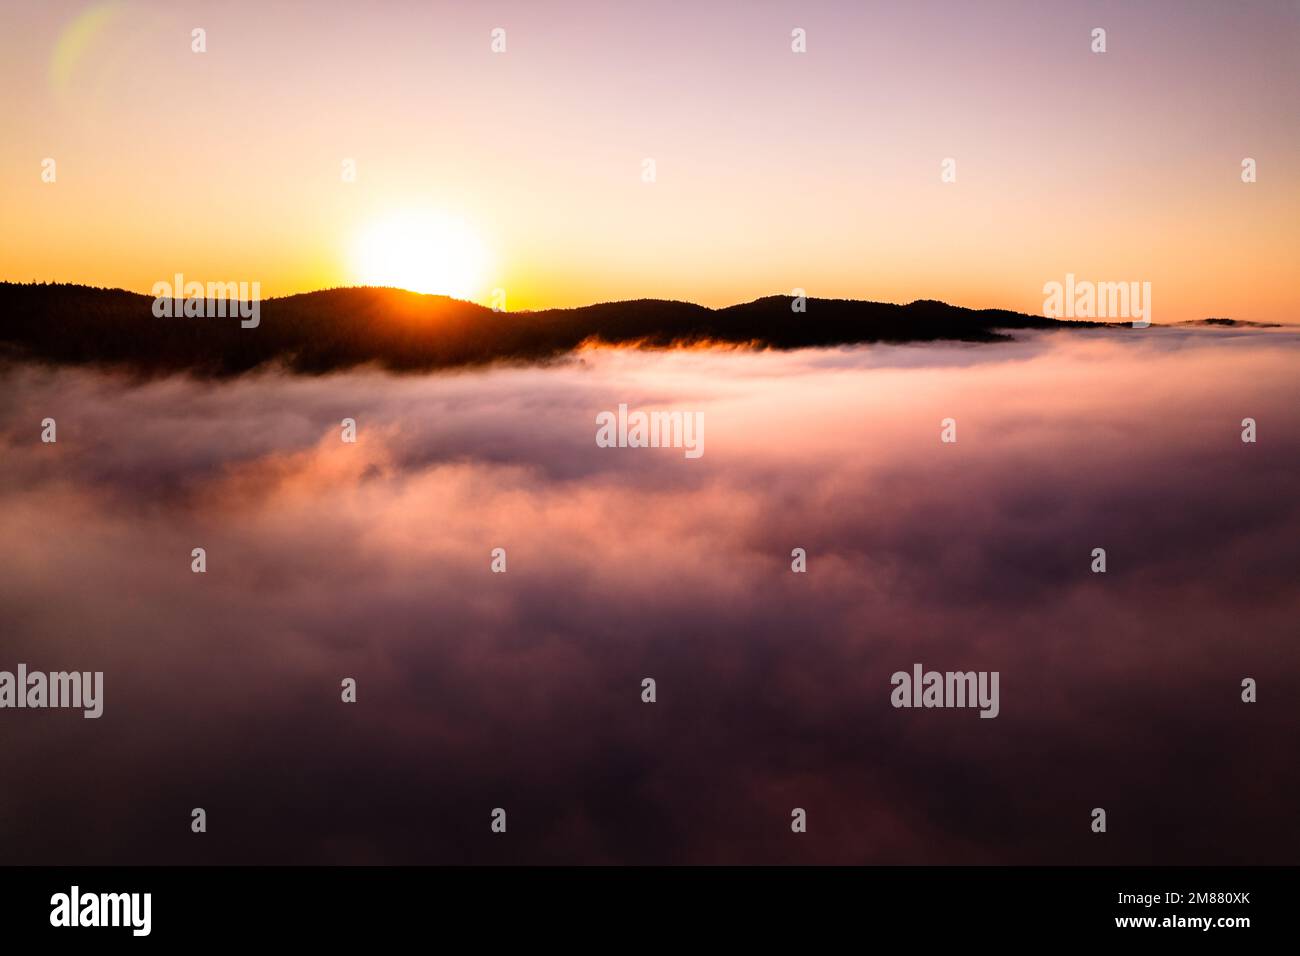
x=775 y=170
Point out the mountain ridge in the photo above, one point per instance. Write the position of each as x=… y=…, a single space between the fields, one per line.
x=344 y=327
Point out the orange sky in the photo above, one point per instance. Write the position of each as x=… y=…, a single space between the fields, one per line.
x=775 y=170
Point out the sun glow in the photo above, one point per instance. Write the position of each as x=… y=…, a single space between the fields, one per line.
x=422 y=252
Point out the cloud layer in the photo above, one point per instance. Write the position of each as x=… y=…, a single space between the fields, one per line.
x=522 y=690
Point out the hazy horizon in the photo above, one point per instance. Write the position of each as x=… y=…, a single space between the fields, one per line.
x=745 y=300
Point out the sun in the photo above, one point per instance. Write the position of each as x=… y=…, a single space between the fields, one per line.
x=423 y=252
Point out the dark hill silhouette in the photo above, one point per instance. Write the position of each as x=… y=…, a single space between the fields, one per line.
x=322 y=331
x=1232 y=323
